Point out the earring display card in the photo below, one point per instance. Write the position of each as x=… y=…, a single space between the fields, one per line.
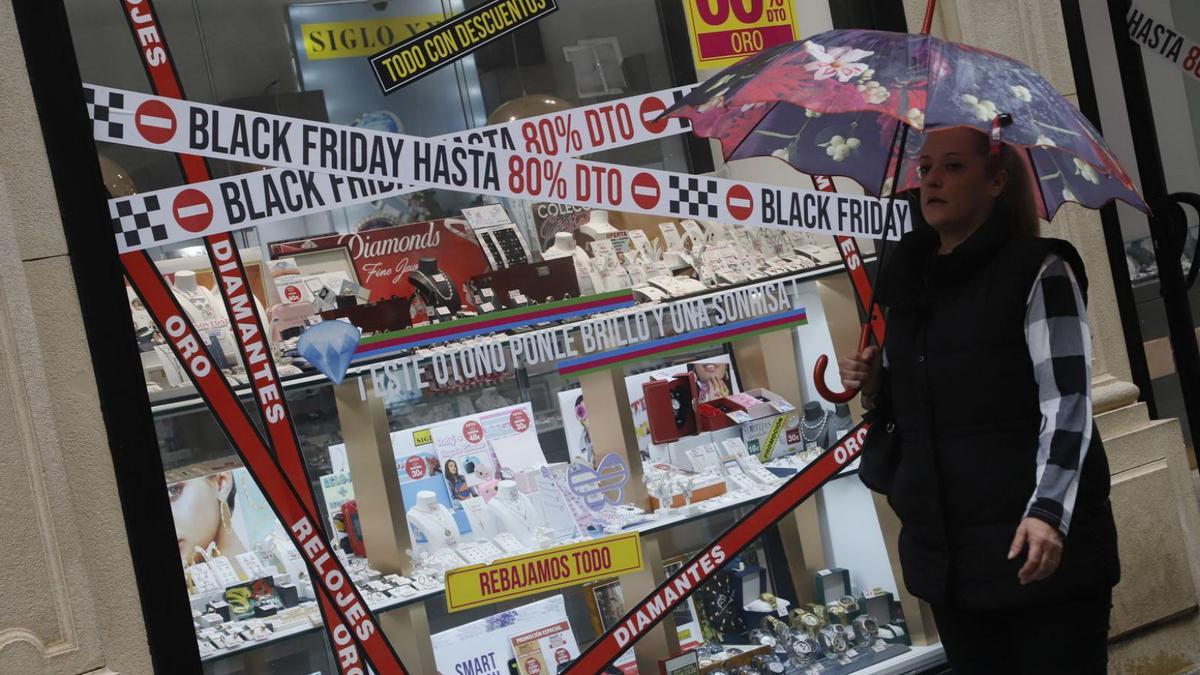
x=641 y=243
x=693 y=232
x=670 y=235
x=504 y=246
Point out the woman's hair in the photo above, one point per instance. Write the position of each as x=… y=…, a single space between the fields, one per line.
x=1017 y=203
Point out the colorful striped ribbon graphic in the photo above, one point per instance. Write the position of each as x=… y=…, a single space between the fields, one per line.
x=684 y=342
x=507 y=319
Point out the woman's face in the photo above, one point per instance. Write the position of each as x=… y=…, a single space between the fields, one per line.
x=956 y=190
x=710 y=371
x=196 y=508
x=451 y=467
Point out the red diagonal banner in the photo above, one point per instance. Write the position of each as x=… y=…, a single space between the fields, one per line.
x=284 y=478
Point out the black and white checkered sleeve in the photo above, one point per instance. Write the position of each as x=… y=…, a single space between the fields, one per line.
x=1056 y=330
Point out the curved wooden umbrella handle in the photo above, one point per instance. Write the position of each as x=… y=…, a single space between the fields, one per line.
x=823 y=364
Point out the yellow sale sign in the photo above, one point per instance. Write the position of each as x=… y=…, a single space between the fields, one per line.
x=540 y=571
x=727 y=31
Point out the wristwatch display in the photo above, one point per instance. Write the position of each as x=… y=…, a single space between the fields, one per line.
x=849 y=603
x=837 y=614
x=866 y=630
x=834 y=639
x=768 y=663
x=804 y=645
x=807 y=621
x=762 y=637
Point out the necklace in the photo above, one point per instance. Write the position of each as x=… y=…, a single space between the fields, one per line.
x=197 y=297
x=517 y=507
x=441 y=289
x=818 y=426
x=432 y=521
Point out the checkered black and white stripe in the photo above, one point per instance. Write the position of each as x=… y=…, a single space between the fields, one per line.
x=1056 y=330
x=133 y=217
x=100 y=107
x=698 y=198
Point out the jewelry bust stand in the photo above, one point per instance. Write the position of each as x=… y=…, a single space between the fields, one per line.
x=814 y=427
x=514 y=513
x=432 y=521
x=201 y=306
x=597 y=226
x=207 y=314
x=436 y=289
x=840 y=424
x=564 y=246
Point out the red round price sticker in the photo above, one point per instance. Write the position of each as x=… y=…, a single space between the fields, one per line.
x=473 y=432
x=519 y=421
x=415 y=467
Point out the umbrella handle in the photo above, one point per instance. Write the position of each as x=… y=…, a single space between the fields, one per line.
x=822 y=365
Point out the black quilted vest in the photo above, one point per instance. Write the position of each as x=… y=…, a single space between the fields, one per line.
x=964 y=401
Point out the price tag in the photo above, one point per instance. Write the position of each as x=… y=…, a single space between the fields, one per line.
x=726 y=31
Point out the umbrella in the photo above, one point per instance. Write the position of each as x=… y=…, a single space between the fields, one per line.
x=858 y=103
x=834 y=103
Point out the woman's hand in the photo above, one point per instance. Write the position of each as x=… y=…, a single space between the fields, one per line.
x=861 y=371
x=1045 y=549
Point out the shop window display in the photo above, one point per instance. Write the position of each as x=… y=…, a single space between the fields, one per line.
x=430 y=455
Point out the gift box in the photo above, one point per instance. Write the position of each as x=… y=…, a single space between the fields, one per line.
x=832 y=584
x=720 y=413
x=671 y=408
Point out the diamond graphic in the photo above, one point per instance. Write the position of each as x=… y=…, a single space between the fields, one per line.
x=330 y=346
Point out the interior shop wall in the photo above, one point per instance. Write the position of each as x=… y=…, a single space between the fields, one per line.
x=1187 y=21
x=1173 y=111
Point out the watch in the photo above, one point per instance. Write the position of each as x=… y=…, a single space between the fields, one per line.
x=833 y=639
x=804 y=645
x=849 y=603
x=768 y=663
x=776 y=627
x=762 y=637
x=806 y=621
x=866 y=629
x=837 y=614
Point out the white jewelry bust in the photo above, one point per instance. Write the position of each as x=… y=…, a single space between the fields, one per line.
x=201 y=304
x=597 y=226
x=564 y=246
x=513 y=512
x=433 y=521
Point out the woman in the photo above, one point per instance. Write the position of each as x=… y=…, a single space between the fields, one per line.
x=457 y=482
x=203 y=513
x=985 y=443
x=712 y=380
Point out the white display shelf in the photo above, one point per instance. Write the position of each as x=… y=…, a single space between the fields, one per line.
x=184 y=399
x=652 y=526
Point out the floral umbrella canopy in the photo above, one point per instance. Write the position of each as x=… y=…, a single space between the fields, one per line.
x=833 y=105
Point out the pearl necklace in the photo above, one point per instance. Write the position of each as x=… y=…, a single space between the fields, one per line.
x=820 y=425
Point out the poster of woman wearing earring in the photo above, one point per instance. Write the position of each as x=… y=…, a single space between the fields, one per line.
x=203 y=513
x=222 y=514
